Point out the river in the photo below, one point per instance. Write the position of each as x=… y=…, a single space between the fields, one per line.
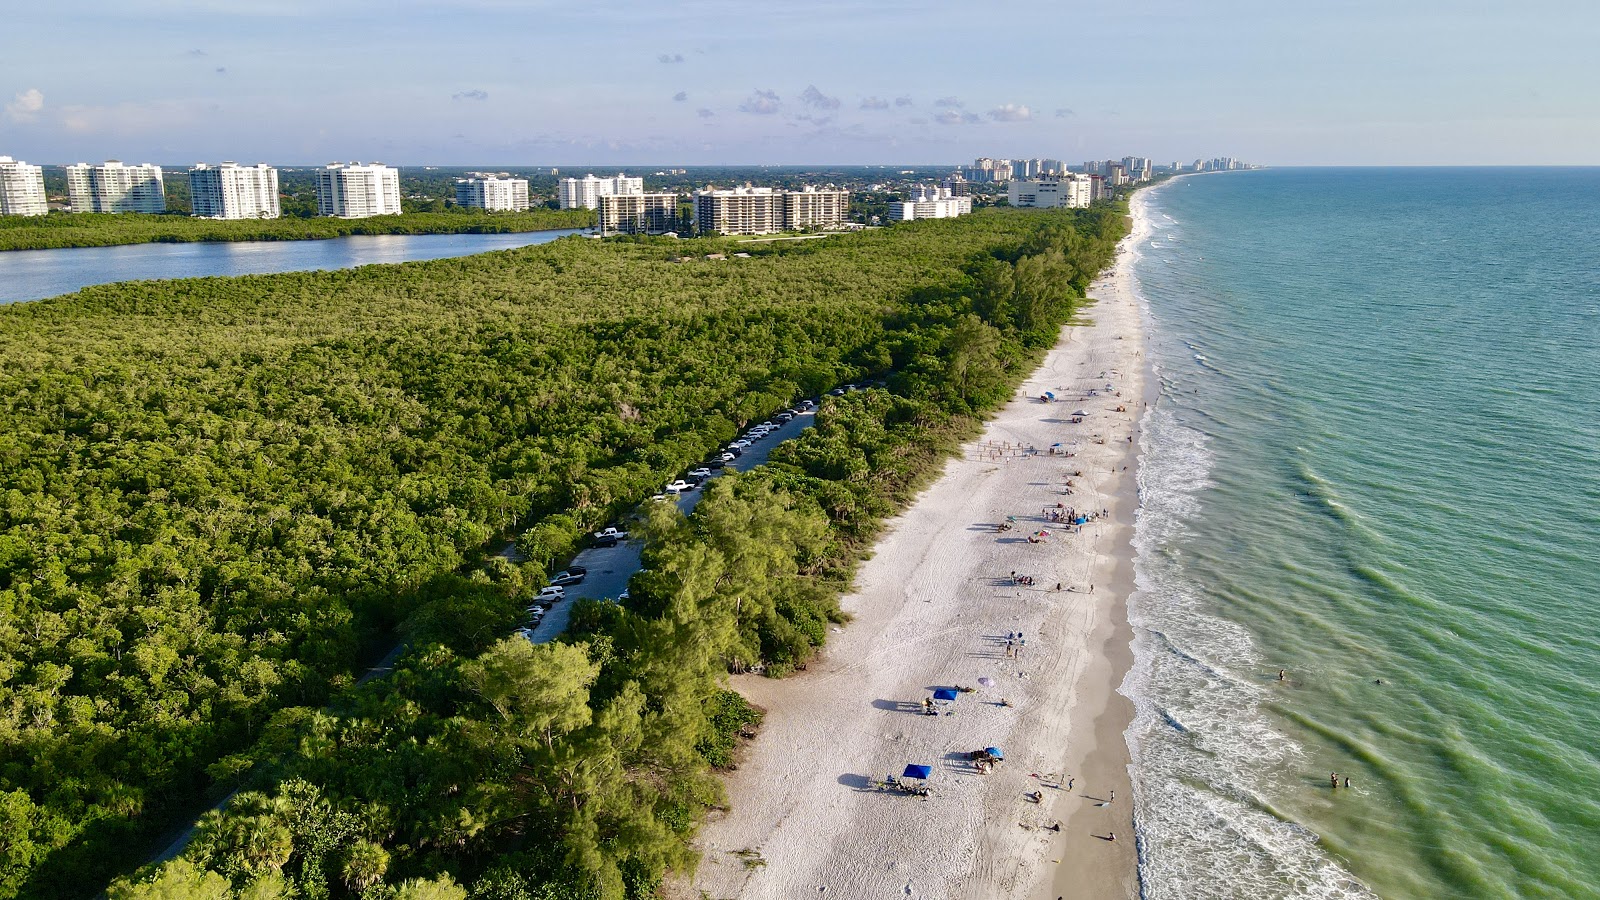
x=35 y=274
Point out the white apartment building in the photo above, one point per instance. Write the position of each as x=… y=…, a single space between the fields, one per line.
x=1048 y=192
x=744 y=210
x=586 y=192
x=21 y=189
x=492 y=192
x=762 y=210
x=812 y=207
x=1137 y=167
x=231 y=191
x=116 y=188
x=356 y=191
x=929 y=202
x=638 y=213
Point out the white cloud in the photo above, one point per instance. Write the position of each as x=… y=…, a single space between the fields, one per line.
x=817 y=99
x=948 y=103
x=704 y=113
x=761 y=103
x=26 y=106
x=904 y=101
x=1010 y=112
x=1063 y=113
x=680 y=96
x=874 y=103
x=670 y=58
x=471 y=95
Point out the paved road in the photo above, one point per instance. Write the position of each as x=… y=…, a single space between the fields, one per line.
x=611 y=567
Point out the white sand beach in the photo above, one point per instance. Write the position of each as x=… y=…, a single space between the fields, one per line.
x=932 y=609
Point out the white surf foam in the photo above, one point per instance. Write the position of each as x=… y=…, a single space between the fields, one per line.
x=1206 y=759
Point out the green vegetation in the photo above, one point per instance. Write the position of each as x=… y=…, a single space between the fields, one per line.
x=219 y=497
x=104 y=230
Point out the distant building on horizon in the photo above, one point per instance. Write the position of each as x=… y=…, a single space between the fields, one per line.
x=639 y=213
x=762 y=210
x=356 y=191
x=1074 y=190
x=21 y=189
x=115 y=188
x=585 y=192
x=231 y=191
x=928 y=202
x=987 y=171
x=492 y=192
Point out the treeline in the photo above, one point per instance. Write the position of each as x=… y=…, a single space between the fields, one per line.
x=104 y=229
x=218 y=497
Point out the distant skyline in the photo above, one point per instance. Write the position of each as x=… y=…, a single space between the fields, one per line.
x=707 y=82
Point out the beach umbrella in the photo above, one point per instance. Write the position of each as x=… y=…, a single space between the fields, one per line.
x=986 y=681
x=945 y=694
x=1050 y=394
x=917 y=772
x=994 y=752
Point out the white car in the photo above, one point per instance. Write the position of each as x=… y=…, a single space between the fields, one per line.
x=553 y=593
x=525 y=633
x=610 y=531
x=679 y=486
x=701 y=472
x=741 y=444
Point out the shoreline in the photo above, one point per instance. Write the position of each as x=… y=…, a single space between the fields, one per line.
x=932 y=608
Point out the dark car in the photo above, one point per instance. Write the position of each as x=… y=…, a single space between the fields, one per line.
x=609 y=540
x=572 y=575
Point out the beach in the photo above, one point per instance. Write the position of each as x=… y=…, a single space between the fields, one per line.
x=936 y=607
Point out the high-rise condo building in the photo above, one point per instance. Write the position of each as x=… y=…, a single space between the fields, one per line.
x=1049 y=191
x=586 y=192
x=356 y=191
x=637 y=213
x=232 y=191
x=1137 y=167
x=762 y=210
x=21 y=189
x=115 y=188
x=929 y=202
x=812 y=207
x=492 y=192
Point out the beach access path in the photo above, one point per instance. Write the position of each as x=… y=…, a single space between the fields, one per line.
x=932 y=609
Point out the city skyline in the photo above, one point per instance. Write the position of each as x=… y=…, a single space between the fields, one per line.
x=713 y=82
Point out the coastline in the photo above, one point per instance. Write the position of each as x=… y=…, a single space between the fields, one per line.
x=932 y=608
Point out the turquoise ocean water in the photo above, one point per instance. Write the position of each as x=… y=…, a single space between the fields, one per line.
x=1375 y=455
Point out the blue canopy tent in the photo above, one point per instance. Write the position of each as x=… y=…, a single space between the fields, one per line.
x=994 y=752
x=945 y=694
x=917 y=772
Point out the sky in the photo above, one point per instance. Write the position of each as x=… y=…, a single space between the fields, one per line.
x=749 y=82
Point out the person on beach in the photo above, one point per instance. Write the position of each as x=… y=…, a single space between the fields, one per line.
x=1347 y=781
x=1333 y=778
x=1280 y=674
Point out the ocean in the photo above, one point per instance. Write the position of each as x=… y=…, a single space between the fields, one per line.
x=1374 y=464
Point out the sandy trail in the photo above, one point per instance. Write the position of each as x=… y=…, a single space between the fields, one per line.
x=933 y=609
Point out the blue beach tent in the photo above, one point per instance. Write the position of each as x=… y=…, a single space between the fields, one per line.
x=994 y=752
x=945 y=694
x=917 y=772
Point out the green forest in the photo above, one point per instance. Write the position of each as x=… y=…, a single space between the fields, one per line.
x=107 y=229
x=220 y=499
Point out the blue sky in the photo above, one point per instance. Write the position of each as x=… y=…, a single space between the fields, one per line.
x=620 y=82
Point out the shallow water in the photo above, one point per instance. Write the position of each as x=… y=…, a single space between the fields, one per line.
x=35 y=274
x=1375 y=456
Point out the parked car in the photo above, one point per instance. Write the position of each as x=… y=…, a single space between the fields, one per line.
x=604 y=542
x=679 y=486
x=701 y=472
x=728 y=456
x=836 y=392
x=717 y=463
x=659 y=497
x=525 y=633
x=612 y=532
x=741 y=445
x=784 y=417
x=570 y=575
x=555 y=593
